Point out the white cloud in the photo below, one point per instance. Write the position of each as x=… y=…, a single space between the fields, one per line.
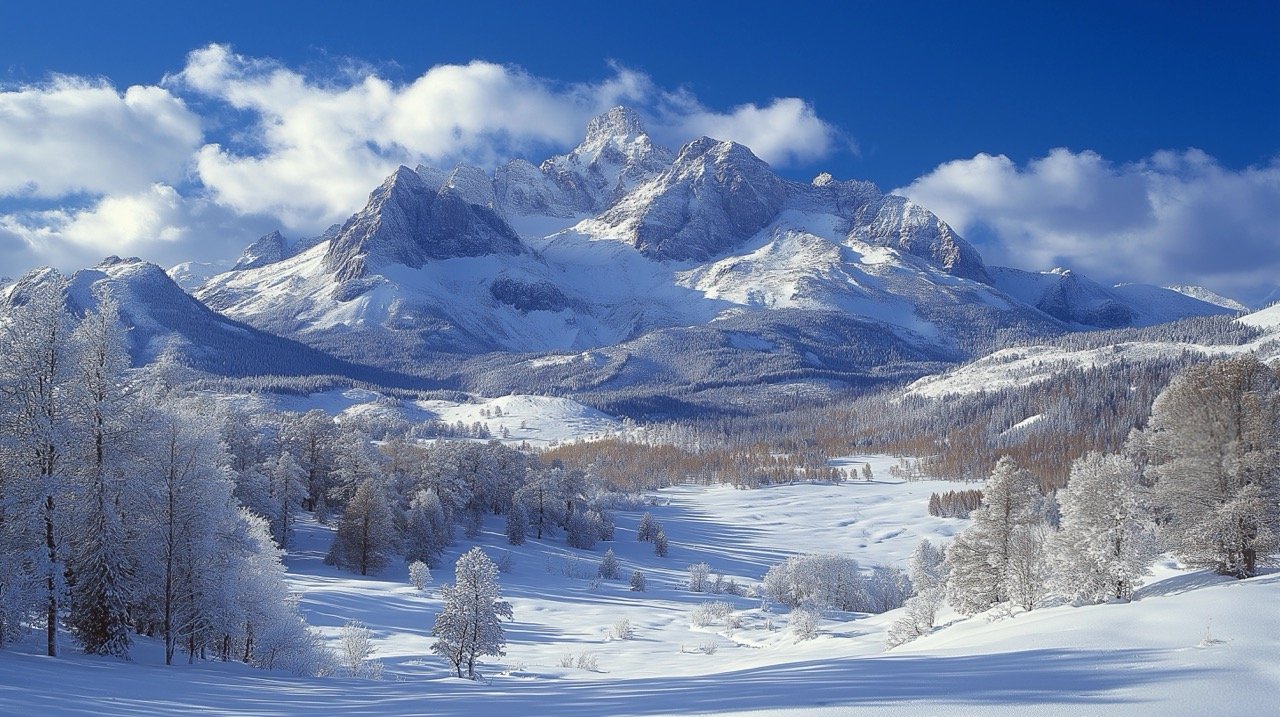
x=786 y=131
x=75 y=135
x=1175 y=217
x=156 y=223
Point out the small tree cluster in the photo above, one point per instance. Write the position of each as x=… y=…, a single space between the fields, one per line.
x=954 y=503
x=833 y=582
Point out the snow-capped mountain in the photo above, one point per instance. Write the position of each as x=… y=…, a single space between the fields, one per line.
x=1080 y=301
x=462 y=262
x=653 y=263
x=160 y=316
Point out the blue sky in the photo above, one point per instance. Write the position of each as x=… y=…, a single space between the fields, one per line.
x=1128 y=140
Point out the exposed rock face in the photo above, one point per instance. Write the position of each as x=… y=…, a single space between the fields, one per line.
x=407 y=223
x=715 y=195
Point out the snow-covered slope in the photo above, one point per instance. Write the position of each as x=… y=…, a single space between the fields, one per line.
x=1076 y=299
x=191 y=274
x=537 y=421
x=1190 y=644
x=160 y=316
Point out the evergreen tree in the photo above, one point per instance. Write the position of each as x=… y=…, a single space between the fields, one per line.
x=610 y=568
x=366 y=534
x=660 y=543
x=287 y=492
x=1106 y=542
x=647 y=528
x=517 y=524
x=468 y=625
x=427 y=531
x=979 y=560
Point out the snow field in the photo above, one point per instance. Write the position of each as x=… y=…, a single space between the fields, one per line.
x=1151 y=656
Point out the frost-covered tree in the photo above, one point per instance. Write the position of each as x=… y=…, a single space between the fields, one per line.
x=36 y=380
x=356 y=651
x=927 y=571
x=427 y=531
x=104 y=420
x=699 y=573
x=1027 y=570
x=468 y=625
x=1213 y=446
x=517 y=524
x=610 y=568
x=190 y=499
x=355 y=461
x=660 y=547
x=1106 y=542
x=647 y=528
x=288 y=490
x=979 y=559
x=580 y=532
x=637 y=581
x=311 y=437
x=366 y=534
x=419 y=575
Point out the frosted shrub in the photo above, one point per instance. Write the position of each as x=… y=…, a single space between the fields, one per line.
x=710 y=612
x=419 y=575
x=637 y=581
x=804 y=623
x=708 y=648
x=356 y=649
x=698 y=577
x=623 y=630
x=587 y=662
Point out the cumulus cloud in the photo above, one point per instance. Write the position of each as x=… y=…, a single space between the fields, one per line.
x=156 y=223
x=786 y=131
x=75 y=135
x=1174 y=217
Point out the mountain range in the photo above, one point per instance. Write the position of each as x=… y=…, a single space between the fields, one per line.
x=648 y=281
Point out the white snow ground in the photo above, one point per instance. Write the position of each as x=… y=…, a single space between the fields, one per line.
x=539 y=421
x=1149 y=657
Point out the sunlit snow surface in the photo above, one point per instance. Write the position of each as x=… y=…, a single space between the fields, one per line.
x=1149 y=657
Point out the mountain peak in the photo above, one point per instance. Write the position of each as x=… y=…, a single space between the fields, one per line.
x=617 y=122
x=267 y=249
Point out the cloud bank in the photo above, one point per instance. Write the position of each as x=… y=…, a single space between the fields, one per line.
x=1174 y=217
x=166 y=170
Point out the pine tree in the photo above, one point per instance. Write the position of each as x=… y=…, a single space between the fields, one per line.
x=1106 y=542
x=427 y=531
x=610 y=568
x=637 y=581
x=647 y=528
x=468 y=625
x=660 y=543
x=517 y=524
x=366 y=534
x=979 y=558
x=1214 y=449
